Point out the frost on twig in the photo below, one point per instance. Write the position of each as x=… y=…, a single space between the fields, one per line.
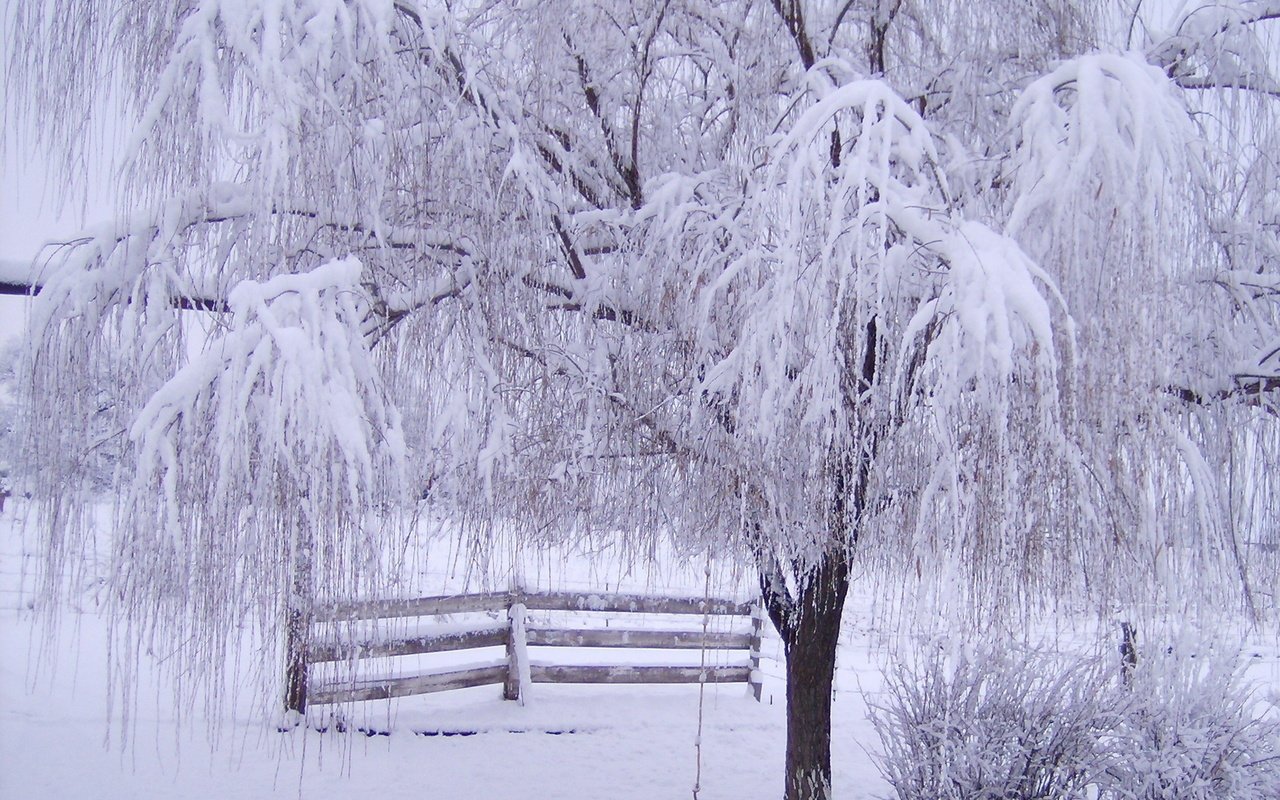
x=846 y=309
x=1220 y=46
x=258 y=473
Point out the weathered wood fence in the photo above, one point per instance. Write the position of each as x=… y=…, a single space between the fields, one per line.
x=516 y=671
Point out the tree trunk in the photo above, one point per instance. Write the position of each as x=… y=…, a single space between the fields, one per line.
x=809 y=620
x=298 y=628
x=295 y=670
x=809 y=625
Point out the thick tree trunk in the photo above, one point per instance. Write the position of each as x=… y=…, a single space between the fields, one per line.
x=809 y=625
x=809 y=619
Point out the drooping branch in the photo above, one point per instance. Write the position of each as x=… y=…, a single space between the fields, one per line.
x=779 y=603
x=880 y=23
x=180 y=303
x=666 y=441
x=627 y=172
x=161 y=228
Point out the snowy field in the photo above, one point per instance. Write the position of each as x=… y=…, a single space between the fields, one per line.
x=569 y=742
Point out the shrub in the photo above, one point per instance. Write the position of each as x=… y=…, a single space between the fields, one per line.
x=1006 y=724
x=1016 y=724
x=1188 y=732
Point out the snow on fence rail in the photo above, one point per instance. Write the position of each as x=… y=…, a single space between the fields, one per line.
x=515 y=671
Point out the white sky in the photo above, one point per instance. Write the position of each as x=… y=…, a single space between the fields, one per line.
x=33 y=208
x=29 y=216
x=21 y=226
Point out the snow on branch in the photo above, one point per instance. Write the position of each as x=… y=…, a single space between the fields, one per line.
x=998 y=300
x=289 y=57
x=1110 y=176
x=846 y=268
x=133 y=265
x=1218 y=46
x=1107 y=178
x=1105 y=120
x=290 y=383
x=260 y=468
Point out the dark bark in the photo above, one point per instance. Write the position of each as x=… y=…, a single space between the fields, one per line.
x=1128 y=651
x=298 y=628
x=295 y=671
x=792 y=14
x=809 y=625
x=214 y=304
x=809 y=620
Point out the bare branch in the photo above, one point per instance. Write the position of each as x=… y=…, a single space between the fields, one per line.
x=792 y=14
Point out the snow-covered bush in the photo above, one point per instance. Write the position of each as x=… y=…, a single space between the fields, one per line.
x=994 y=723
x=1018 y=723
x=1188 y=731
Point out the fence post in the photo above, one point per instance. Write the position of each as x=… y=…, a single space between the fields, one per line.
x=297 y=631
x=516 y=686
x=1128 y=651
x=757 y=625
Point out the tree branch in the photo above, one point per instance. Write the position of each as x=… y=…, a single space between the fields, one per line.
x=792 y=14
x=1243 y=83
x=778 y=601
x=180 y=302
x=628 y=173
x=1261 y=391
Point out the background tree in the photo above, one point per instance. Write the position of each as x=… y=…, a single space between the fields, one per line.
x=953 y=294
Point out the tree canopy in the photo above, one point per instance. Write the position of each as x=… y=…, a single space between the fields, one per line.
x=966 y=294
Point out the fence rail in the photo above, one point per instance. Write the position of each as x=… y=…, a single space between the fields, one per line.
x=494 y=636
x=516 y=671
x=383 y=688
x=552 y=673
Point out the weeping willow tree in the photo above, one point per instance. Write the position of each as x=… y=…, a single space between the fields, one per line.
x=974 y=298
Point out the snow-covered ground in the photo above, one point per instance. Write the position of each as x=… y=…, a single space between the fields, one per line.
x=569 y=742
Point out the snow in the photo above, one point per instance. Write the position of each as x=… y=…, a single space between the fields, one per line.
x=573 y=742
x=520 y=652
x=14 y=271
x=746 y=308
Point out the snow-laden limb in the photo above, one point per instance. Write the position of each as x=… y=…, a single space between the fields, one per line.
x=138 y=262
x=842 y=297
x=16 y=277
x=1113 y=184
x=1108 y=180
x=279 y=62
x=289 y=405
x=1225 y=52
x=1001 y=302
x=1098 y=118
x=104 y=323
x=293 y=378
x=1221 y=45
x=1249 y=273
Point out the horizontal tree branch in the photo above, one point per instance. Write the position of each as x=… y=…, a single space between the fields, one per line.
x=1243 y=83
x=181 y=303
x=1262 y=391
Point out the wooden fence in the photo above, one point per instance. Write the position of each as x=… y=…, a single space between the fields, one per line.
x=515 y=672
